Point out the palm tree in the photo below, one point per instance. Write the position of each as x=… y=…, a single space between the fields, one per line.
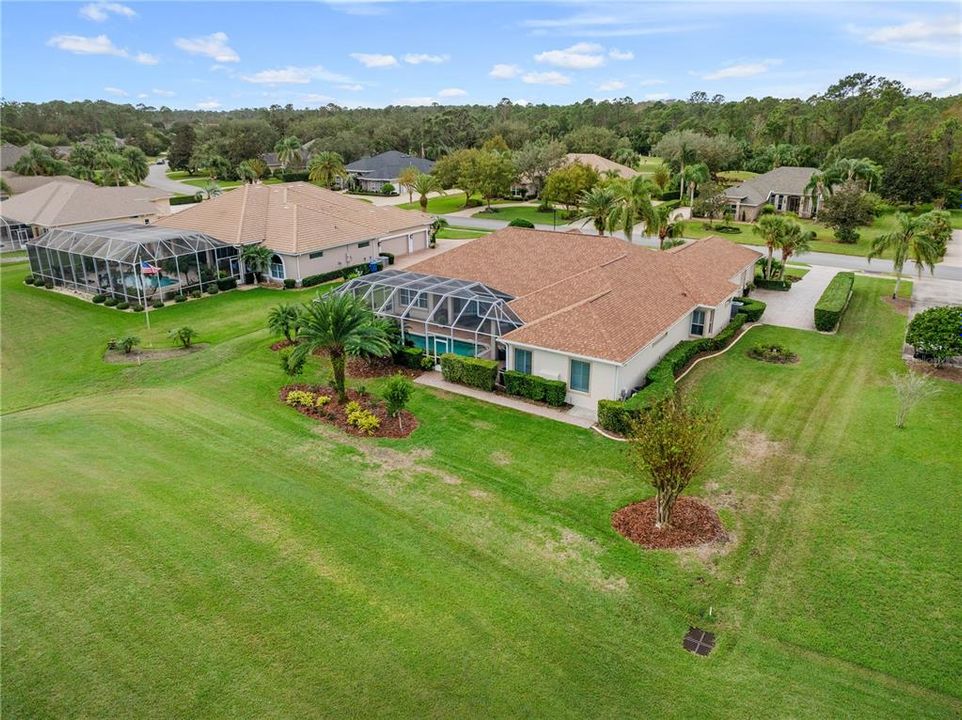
x=855 y=168
x=137 y=166
x=406 y=179
x=662 y=177
x=667 y=228
x=632 y=205
x=325 y=167
x=626 y=156
x=818 y=186
x=685 y=155
x=283 y=320
x=115 y=169
x=771 y=229
x=342 y=325
x=257 y=258
x=597 y=206
x=210 y=190
x=424 y=184
x=794 y=242
x=913 y=238
x=288 y=151
x=246 y=172
x=694 y=175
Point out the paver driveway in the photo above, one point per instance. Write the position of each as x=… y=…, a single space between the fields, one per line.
x=796 y=308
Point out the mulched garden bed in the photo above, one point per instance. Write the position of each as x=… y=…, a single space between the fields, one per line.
x=333 y=412
x=692 y=523
x=374 y=367
x=139 y=355
x=281 y=345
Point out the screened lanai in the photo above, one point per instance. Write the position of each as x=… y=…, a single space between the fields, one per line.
x=136 y=263
x=439 y=314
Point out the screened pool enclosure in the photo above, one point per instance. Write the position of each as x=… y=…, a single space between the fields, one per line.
x=136 y=263
x=439 y=314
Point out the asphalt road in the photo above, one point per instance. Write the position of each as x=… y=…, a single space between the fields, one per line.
x=157 y=178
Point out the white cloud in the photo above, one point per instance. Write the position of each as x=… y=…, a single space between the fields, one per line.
x=502 y=71
x=99 y=45
x=352 y=87
x=419 y=58
x=115 y=91
x=293 y=75
x=452 y=92
x=580 y=56
x=316 y=98
x=522 y=102
x=374 y=60
x=415 y=101
x=100 y=11
x=163 y=93
x=545 y=78
x=213 y=46
x=934 y=85
x=657 y=96
x=616 y=54
x=650 y=82
x=143 y=96
x=208 y=105
x=939 y=37
x=611 y=85
x=741 y=70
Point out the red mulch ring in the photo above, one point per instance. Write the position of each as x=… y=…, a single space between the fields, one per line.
x=281 y=345
x=333 y=412
x=692 y=523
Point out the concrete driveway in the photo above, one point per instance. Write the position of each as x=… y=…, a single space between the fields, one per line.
x=157 y=178
x=796 y=308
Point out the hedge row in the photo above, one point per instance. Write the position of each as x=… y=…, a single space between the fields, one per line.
x=184 y=200
x=312 y=280
x=533 y=387
x=772 y=284
x=752 y=309
x=618 y=415
x=299 y=176
x=832 y=304
x=411 y=357
x=470 y=371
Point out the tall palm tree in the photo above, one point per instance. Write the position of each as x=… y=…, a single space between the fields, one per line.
x=246 y=172
x=288 y=151
x=686 y=155
x=597 y=206
x=818 y=186
x=668 y=229
x=283 y=320
x=424 y=184
x=912 y=239
x=342 y=325
x=771 y=229
x=325 y=167
x=257 y=258
x=662 y=177
x=862 y=169
x=115 y=170
x=632 y=205
x=695 y=175
x=137 y=166
x=794 y=241
x=406 y=179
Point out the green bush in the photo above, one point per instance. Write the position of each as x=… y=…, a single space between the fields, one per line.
x=123 y=305
x=473 y=372
x=48 y=284
x=388 y=189
x=195 y=294
x=751 y=309
x=521 y=223
x=157 y=304
x=212 y=289
x=389 y=256
x=137 y=307
x=773 y=284
x=533 y=387
x=831 y=305
x=227 y=283
x=180 y=298
x=615 y=416
x=427 y=363
x=290 y=283
x=936 y=334
x=312 y=280
x=98 y=299
x=184 y=200
x=297 y=176
x=410 y=357
x=28 y=280
x=111 y=301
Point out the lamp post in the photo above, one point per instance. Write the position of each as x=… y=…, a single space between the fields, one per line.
x=554 y=218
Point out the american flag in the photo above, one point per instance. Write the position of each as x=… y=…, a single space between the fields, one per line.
x=147 y=269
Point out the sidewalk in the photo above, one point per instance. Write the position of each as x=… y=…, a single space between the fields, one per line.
x=434 y=380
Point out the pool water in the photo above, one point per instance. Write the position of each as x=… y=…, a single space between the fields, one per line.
x=131 y=280
x=458 y=347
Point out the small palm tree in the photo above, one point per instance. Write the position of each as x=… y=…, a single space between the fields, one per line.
x=288 y=151
x=794 y=242
x=912 y=239
x=257 y=258
x=626 y=156
x=668 y=229
x=597 y=206
x=115 y=170
x=632 y=205
x=210 y=190
x=325 y=168
x=406 y=180
x=185 y=336
x=423 y=185
x=818 y=186
x=342 y=325
x=127 y=344
x=283 y=320
x=662 y=177
x=771 y=229
x=246 y=172
x=695 y=175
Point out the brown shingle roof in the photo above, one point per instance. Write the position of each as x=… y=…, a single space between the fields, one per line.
x=601 y=164
x=594 y=296
x=61 y=203
x=293 y=218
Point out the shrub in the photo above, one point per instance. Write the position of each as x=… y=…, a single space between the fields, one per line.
x=111 y=301
x=137 y=307
x=212 y=289
x=321 y=400
x=387 y=189
x=98 y=299
x=751 y=309
x=228 y=283
x=290 y=283
x=410 y=357
x=363 y=420
x=127 y=344
x=297 y=176
x=123 y=305
x=195 y=294
x=427 y=362
x=521 y=223
x=180 y=298
x=397 y=393
x=157 y=304
x=773 y=284
x=533 y=387
x=28 y=280
x=184 y=335
x=292 y=364
x=301 y=398
x=831 y=305
x=48 y=284
x=470 y=371
x=312 y=280
x=773 y=353
x=615 y=416
x=936 y=333
x=389 y=256
x=184 y=200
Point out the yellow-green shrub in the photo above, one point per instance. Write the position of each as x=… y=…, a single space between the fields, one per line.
x=300 y=398
x=322 y=400
x=362 y=419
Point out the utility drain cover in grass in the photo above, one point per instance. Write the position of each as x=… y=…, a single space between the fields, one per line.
x=698 y=641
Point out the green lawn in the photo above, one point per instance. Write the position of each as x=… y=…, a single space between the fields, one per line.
x=530 y=213
x=178 y=543
x=648 y=164
x=736 y=176
x=201 y=181
x=455 y=233
x=444 y=204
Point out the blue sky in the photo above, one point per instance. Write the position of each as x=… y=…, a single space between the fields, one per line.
x=222 y=55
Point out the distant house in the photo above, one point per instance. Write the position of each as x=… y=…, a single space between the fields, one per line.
x=25 y=183
x=526 y=187
x=273 y=163
x=9 y=154
x=65 y=203
x=310 y=230
x=371 y=173
x=783 y=187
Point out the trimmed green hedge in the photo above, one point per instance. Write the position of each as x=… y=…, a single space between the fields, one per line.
x=409 y=357
x=831 y=306
x=473 y=372
x=752 y=309
x=521 y=223
x=533 y=387
x=389 y=256
x=227 y=283
x=312 y=280
x=298 y=176
x=184 y=200
x=772 y=284
x=618 y=415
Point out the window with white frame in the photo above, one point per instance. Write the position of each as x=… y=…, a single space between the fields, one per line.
x=698 y=322
x=580 y=375
x=522 y=361
x=406 y=297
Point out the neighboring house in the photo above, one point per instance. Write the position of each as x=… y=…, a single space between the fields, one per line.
x=273 y=163
x=592 y=311
x=19 y=184
x=64 y=203
x=371 y=173
x=9 y=154
x=783 y=187
x=311 y=230
x=526 y=187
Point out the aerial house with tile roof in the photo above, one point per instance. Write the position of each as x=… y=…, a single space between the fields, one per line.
x=785 y=188
x=595 y=312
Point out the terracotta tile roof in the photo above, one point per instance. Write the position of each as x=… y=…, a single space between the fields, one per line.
x=601 y=164
x=293 y=218
x=594 y=296
x=25 y=183
x=59 y=203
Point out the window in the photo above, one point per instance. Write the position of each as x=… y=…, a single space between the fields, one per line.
x=522 y=361
x=580 y=376
x=406 y=297
x=277 y=267
x=698 y=322
x=366 y=243
x=316 y=255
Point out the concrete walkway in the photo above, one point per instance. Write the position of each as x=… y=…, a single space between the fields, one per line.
x=579 y=419
x=953 y=251
x=796 y=308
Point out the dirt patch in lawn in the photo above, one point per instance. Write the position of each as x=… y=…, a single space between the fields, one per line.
x=282 y=345
x=334 y=413
x=946 y=372
x=900 y=305
x=140 y=355
x=752 y=448
x=693 y=523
